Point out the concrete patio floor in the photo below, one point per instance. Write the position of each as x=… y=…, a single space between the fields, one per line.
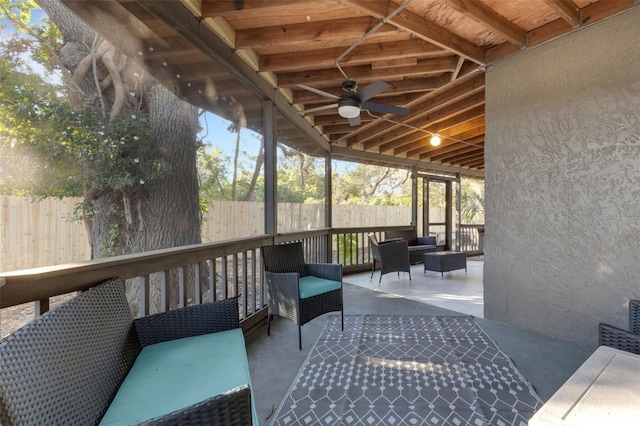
x=275 y=360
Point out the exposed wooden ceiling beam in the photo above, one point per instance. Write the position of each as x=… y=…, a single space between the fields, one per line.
x=423 y=149
x=363 y=74
x=213 y=8
x=430 y=118
x=426 y=150
x=467 y=160
x=454 y=92
x=345 y=127
x=418 y=26
x=567 y=10
x=590 y=15
x=464 y=159
x=344 y=30
x=402 y=145
x=463 y=130
x=449 y=144
x=453 y=150
x=487 y=17
x=342 y=153
x=363 y=54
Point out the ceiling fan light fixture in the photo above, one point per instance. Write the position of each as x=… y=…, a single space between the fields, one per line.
x=348 y=111
x=435 y=140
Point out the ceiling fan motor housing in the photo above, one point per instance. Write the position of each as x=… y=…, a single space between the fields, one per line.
x=349 y=86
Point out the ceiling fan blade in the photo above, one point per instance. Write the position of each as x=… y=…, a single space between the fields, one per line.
x=371 y=90
x=318 y=91
x=320 y=108
x=355 y=121
x=384 y=108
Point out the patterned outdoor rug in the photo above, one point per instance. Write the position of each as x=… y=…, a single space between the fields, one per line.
x=407 y=370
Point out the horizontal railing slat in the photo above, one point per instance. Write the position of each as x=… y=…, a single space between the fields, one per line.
x=201 y=272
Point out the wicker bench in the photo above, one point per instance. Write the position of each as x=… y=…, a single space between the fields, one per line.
x=88 y=362
x=417 y=245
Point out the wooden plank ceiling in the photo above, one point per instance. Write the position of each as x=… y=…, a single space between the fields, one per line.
x=432 y=53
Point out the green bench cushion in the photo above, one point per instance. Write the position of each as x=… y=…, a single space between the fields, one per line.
x=313 y=286
x=176 y=374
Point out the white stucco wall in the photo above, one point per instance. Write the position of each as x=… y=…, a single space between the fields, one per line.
x=562 y=240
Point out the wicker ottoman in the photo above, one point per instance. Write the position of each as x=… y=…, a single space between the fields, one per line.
x=444 y=261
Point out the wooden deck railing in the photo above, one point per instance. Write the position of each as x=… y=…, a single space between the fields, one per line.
x=471 y=239
x=167 y=279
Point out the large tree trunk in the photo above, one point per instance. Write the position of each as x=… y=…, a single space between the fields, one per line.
x=155 y=212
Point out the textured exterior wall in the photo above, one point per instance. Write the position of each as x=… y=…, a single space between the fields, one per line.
x=562 y=241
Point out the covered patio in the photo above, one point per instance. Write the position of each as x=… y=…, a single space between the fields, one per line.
x=562 y=140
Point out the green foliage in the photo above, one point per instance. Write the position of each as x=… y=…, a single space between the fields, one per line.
x=83 y=150
x=472 y=201
x=372 y=185
x=300 y=177
x=62 y=151
x=216 y=178
x=347 y=248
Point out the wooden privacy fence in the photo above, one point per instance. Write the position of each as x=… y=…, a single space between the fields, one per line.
x=42 y=232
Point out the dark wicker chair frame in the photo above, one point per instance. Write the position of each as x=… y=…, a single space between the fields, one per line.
x=392 y=255
x=284 y=265
x=622 y=339
x=66 y=366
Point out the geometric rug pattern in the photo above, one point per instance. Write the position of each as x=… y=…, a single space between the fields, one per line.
x=406 y=370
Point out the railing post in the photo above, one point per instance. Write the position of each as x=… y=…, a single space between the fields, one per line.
x=41 y=306
x=143 y=302
x=270 y=167
x=328 y=207
x=414 y=199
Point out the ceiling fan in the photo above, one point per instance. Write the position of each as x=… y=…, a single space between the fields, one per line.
x=353 y=100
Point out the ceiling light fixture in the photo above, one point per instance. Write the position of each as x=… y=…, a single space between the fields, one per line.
x=435 y=140
x=409 y=126
x=348 y=108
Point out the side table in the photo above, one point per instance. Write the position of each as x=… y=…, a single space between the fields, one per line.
x=444 y=261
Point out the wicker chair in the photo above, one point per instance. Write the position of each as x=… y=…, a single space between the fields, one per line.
x=622 y=339
x=297 y=290
x=392 y=255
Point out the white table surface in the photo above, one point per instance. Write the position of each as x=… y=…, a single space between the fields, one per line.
x=605 y=390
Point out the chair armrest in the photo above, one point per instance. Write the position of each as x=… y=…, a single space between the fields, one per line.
x=618 y=338
x=328 y=271
x=190 y=321
x=427 y=241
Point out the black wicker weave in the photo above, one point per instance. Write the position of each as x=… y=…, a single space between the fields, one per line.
x=65 y=367
x=634 y=316
x=186 y=322
x=618 y=338
x=284 y=265
x=48 y=371
x=392 y=255
x=622 y=339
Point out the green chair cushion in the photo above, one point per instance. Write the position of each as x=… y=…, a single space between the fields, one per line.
x=176 y=374
x=313 y=286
